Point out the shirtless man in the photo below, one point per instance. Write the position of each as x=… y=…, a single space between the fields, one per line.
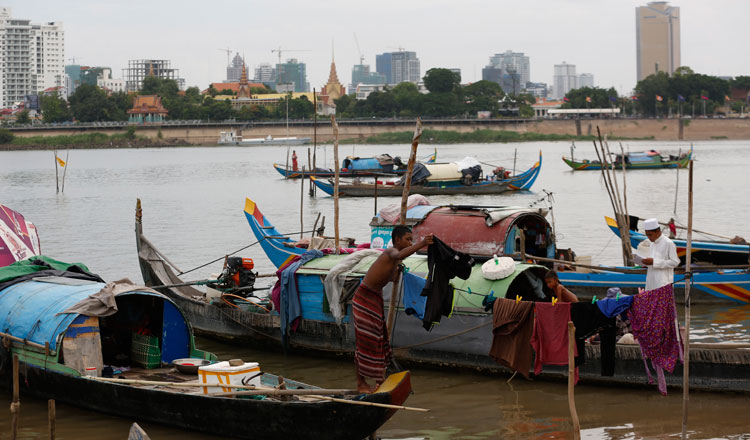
x=373 y=348
x=562 y=294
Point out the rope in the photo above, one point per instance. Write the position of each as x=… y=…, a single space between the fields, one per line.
x=238 y=250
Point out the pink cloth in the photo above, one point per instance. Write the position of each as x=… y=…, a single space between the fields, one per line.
x=276 y=291
x=550 y=337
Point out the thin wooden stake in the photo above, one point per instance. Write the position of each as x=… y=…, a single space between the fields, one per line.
x=677 y=183
x=515 y=154
x=302 y=199
x=314 y=188
x=376 y=197
x=688 y=282
x=51 y=418
x=15 y=407
x=572 y=380
x=57 y=179
x=336 y=181
x=65 y=170
x=402 y=220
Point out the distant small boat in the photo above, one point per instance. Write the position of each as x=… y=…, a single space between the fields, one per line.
x=440 y=179
x=230 y=138
x=357 y=167
x=643 y=160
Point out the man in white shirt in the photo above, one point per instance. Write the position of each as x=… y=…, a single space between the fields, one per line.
x=662 y=257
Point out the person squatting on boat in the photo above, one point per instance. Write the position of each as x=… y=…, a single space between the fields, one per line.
x=562 y=294
x=373 y=351
x=662 y=257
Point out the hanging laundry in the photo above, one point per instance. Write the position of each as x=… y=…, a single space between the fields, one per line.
x=334 y=281
x=612 y=307
x=414 y=302
x=512 y=326
x=444 y=263
x=588 y=320
x=290 y=308
x=550 y=337
x=653 y=319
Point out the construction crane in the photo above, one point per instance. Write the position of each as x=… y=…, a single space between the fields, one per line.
x=400 y=48
x=361 y=57
x=74 y=59
x=229 y=54
x=280 y=50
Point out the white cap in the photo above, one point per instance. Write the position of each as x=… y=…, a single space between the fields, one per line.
x=651 y=224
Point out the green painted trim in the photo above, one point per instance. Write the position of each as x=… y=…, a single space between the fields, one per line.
x=40 y=360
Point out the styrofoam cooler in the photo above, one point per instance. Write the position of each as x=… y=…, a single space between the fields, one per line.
x=221 y=373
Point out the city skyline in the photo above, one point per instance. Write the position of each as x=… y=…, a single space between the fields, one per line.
x=598 y=36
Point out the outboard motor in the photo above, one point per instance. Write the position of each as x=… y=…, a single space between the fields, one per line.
x=238 y=276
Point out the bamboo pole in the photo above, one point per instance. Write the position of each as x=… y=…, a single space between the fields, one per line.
x=336 y=181
x=624 y=184
x=24 y=342
x=572 y=380
x=15 y=407
x=677 y=184
x=302 y=199
x=688 y=282
x=313 y=188
x=286 y=175
x=57 y=179
x=376 y=197
x=285 y=392
x=515 y=154
x=51 y=416
x=65 y=170
x=393 y=303
x=379 y=405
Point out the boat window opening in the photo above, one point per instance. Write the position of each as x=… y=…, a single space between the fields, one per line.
x=136 y=314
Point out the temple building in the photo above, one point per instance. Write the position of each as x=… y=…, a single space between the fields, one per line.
x=147 y=108
x=331 y=91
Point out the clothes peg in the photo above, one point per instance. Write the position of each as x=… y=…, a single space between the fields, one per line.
x=617 y=298
x=492 y=293
x=554 y=301
x=518 y=299
x=594 y=299
x=406 y=270
x=495 y=257
x=469 y=290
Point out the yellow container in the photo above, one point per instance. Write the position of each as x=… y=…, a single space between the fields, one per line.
x=225 y=375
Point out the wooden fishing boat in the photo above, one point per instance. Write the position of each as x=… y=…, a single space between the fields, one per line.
x=55 y=347
x=713 y=252
x=460 y=341
x=443 y=179
x=643 y=160
x=355 y=167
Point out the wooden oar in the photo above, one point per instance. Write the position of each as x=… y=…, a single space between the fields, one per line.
x=381 y=405
x=284 y=392
x=175 y=384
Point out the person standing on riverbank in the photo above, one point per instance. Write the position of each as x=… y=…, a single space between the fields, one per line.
x=662 y=257
x=295 y=166
x=373 y=353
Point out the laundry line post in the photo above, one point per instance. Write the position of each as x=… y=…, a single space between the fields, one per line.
x=15 y=407
x=572 y=380
x=335 y=182
x=302 y=199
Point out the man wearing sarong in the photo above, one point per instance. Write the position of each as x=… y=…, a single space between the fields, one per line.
x=373 y=352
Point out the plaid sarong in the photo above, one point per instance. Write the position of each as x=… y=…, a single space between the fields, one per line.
x=373 y=352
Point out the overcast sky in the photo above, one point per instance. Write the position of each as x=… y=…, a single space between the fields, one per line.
x=598 y=36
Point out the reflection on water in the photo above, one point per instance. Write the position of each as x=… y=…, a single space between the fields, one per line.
x=193 y=200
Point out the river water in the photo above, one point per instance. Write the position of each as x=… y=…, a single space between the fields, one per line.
x=193 y=200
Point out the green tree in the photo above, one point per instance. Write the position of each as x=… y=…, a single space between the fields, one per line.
x=408 y=99
x=212 y=92
x=343 y=103
x=439 y=80
x=89 y=103
x=55 y=109
x=119 y=103
x=591 y=97
x=217 y=110
x=442 y=104
x=482 y=96
x=740 y=82
x=23 y=117
x=253 y=113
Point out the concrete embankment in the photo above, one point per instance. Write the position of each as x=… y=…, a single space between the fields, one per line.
x=208 y=134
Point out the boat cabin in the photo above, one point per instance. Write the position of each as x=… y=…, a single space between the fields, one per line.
x=478 y=231
x=89 y=327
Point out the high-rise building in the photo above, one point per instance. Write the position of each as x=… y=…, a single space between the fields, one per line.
x=398 y=67
x=657 y=33
x=565 y=80
x=586 y=80
x=292 y=76
x=361 y=74
x=513 y=62
x=31 y=57
x=234 y=70
x=266 y=74
x=138 y=70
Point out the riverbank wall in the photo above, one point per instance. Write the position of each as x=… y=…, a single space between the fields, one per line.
x=359 y=130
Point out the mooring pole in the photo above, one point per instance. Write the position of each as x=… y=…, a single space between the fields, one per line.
x=15 y=407
x=572 y=380
x=688 y=282
x=336 y=181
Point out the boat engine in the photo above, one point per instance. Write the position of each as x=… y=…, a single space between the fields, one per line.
x=237 y=277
